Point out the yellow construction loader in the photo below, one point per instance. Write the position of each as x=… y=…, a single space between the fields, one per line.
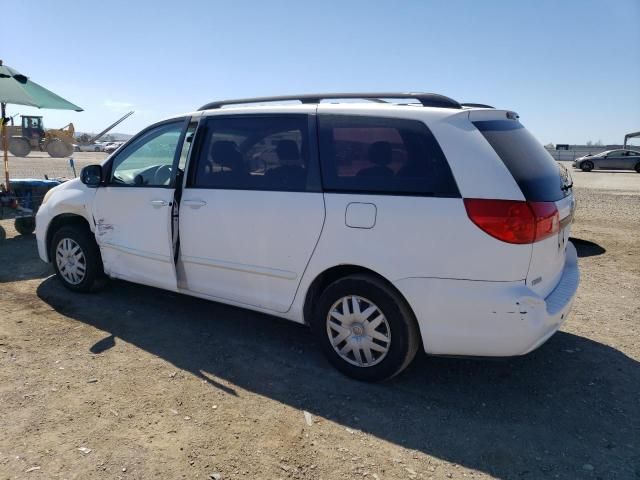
x=32 y=135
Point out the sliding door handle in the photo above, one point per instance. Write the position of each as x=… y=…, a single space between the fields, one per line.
x=194 y=203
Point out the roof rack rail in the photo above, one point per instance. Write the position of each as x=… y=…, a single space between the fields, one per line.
x=476 y=105
x=426 y=99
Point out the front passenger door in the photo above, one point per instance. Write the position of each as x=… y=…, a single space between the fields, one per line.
x=133 y=210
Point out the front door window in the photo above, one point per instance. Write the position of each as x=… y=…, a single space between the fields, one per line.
x=148 y=161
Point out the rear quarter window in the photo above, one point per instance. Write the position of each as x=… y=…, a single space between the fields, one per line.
x=361 y=154
x=535 y=171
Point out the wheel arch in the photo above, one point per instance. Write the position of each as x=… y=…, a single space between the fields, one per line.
x=330 y=275
x=63 y=220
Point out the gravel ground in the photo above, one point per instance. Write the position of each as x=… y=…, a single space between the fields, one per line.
x=136 y=382
x=39 y=164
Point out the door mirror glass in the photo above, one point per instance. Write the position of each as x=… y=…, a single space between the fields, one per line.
x=91 y=175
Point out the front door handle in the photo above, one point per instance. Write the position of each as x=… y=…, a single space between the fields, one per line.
x=159 y=203
x=194 y=203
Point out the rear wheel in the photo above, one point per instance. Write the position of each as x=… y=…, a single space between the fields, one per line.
x=638 y=167
x=586 y=166
x=25 y=225
x=57 y=148
x=19 y=147
x=76 y=259
x=365 y=328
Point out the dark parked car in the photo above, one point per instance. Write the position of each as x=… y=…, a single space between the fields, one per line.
x=610 y=160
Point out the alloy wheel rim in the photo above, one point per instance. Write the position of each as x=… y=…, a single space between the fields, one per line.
x=71 y=262
x=358 y=331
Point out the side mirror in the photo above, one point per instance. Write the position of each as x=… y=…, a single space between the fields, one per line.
x=91 y=175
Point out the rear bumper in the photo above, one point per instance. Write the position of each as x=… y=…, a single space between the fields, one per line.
x=465 y=317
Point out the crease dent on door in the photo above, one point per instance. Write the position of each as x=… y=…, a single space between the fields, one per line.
x=133 y=211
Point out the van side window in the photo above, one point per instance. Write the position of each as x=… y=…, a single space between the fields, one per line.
x=382 y=155
x=254 y=153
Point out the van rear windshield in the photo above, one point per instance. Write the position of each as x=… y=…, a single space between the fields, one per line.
x=535 y=171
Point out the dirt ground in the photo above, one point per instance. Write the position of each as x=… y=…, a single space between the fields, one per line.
x=138 y=383
x=38 y=164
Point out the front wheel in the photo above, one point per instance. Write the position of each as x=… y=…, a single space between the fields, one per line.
x=586 y=166
x=76 y=259
x=365 y=328
x=25 y=225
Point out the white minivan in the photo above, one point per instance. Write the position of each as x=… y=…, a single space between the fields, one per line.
x=387 y=224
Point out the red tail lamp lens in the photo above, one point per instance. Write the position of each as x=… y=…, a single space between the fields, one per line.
x=514 y=221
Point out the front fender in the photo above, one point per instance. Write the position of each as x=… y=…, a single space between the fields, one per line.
x=69 y=199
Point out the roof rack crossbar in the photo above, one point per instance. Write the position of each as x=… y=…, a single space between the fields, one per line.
x=426 y=99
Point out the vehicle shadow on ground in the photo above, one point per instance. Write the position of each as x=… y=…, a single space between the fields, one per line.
x=17 y=259
x=530 y=417
x=586 y=248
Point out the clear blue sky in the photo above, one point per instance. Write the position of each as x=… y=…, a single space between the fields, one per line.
x=570 y=68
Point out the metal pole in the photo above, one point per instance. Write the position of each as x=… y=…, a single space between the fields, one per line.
x=5 y=144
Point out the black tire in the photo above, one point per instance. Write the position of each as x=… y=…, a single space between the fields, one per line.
x=25 y=225
x=56 y=148
x=94 y=277
x=638 y=167
x=586 y=166
x=400 y=321
x=19 y=147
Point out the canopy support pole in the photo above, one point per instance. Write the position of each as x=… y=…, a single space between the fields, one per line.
x=5 y=144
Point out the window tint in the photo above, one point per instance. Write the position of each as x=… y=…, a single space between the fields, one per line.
x=254 y=153
x=535 y=171
x=148 y=160
x=382 y=155
x=633 y=154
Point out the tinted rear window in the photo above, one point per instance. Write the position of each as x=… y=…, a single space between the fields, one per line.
x=382 y=156
x=255 y=152
x=536 y=172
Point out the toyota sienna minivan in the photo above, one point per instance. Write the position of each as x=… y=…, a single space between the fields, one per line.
x=386 y=222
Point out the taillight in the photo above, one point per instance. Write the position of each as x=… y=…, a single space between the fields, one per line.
x=514 y=221
x=547 y=219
